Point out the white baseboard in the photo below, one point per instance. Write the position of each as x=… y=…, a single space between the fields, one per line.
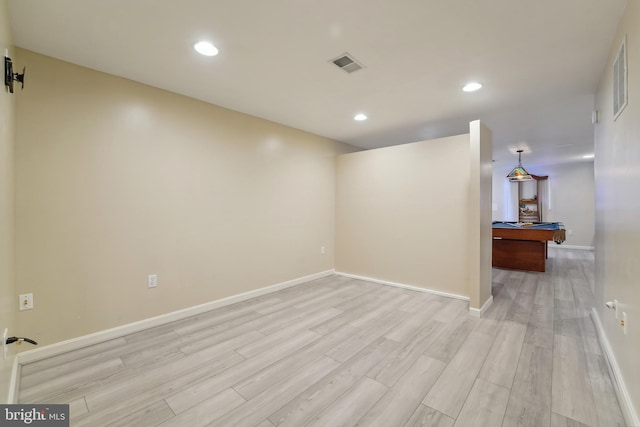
x=629 y=412
x=44 y=352
x=475 y=312
x=401 y=285
x=581 y=248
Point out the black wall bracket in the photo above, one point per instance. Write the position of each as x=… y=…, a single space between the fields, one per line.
x=20 y=340
x=10 y=76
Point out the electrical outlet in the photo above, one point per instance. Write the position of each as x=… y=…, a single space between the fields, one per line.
x=5 y=335
x=152 y=281
x=623 y=323
x=322 y=250
x=26 y=301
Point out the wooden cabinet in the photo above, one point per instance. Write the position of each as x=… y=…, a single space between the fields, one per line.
x=530 y=204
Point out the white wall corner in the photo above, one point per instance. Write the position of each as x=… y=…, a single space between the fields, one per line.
x=626 y=405
x=14 y=382
x=480 y=212
x=475 y=312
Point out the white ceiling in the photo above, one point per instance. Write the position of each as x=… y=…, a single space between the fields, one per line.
x=540 y=62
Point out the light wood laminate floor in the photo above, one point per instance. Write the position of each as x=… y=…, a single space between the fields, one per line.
x=338 y=351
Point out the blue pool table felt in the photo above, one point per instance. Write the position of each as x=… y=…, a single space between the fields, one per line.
x=539 y=225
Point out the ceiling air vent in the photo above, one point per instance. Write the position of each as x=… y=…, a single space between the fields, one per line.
x=347 y=63
x=620 y=80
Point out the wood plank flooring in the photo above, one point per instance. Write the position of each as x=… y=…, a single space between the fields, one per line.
x=344 y=352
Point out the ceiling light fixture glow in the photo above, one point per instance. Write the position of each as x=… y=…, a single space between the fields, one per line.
x=360 y=117
x=589 y=156
x=205 y=48
x=471 y=87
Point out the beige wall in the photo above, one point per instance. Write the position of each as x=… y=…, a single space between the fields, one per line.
x=617 y=166
x=568 y=197
x=8 y=298
x=402 y=214
x=117 y=180
x=572 y=197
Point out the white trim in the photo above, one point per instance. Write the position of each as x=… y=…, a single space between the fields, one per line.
x=480 y=312
x=583 y=248
x=401 y=285
x=34 y=355
x=630 y=415
x=14 y=382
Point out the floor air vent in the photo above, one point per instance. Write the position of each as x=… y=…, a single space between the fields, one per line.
x=347 y=63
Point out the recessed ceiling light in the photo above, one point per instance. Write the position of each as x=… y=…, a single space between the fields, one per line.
x=589 y=156
x=205 y=48
x=360 y=117
x=471 y=87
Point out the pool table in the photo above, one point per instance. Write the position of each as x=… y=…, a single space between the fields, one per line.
x=523 y=246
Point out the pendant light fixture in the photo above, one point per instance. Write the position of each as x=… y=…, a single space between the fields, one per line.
x=519 y=173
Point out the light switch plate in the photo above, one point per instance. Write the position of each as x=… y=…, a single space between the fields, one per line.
x=152 y=281
x=25 y=302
